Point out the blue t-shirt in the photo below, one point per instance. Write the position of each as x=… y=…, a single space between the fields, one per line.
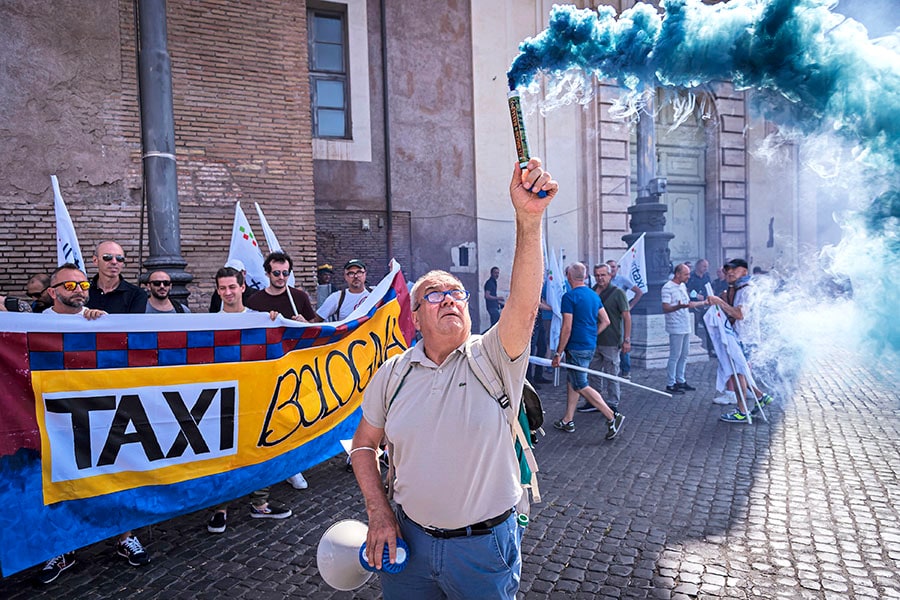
x=584 y=304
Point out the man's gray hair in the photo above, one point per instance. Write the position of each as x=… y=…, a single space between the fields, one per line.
x=577 y=270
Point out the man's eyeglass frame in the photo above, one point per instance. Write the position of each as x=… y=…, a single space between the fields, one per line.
x=70 y=286
x=437 y=296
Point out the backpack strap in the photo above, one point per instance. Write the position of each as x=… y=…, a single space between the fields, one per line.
x=399 y=371
x=178 y=306
x=490 y=380
x=336 y=315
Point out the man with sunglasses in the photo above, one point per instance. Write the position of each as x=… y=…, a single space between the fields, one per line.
x=160 y=284
x=38 y=289
x=109 y=290
x=339 y=305
x=292 y=303
x=457 y=476
x=69 y=288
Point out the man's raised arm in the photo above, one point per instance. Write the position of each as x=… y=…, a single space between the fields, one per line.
x=528 y=261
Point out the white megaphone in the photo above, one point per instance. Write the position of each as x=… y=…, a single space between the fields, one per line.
x=341 y=556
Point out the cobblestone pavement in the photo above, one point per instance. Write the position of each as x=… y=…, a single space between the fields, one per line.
x=679 y=506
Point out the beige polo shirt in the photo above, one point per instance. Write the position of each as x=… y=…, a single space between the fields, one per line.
x=453 y=452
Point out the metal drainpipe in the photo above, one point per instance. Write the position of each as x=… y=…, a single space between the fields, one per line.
x=388 y=200
x=158 y=146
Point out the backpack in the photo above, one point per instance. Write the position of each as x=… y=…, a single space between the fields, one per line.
x=530 y=416
x=178 y=306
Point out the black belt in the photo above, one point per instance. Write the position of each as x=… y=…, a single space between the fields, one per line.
x=482 y=528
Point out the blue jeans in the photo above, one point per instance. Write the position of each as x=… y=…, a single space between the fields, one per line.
x=580 y=358
x=480 y=566
x=679 y=347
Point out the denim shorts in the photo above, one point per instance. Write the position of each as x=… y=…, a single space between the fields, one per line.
x=580 y=358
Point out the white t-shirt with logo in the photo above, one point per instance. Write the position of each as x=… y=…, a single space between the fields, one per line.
x=679 y=321
x=351 y=301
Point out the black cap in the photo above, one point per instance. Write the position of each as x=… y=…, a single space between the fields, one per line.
x=355 y=263
x=734 y=263
x=326 y=268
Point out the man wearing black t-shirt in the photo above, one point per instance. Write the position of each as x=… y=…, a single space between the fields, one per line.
x=109 y=290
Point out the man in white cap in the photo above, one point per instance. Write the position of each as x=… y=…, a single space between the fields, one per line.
x=215 y=302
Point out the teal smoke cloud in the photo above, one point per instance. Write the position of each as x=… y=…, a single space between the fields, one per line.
x=810 y=65
x=812 y=71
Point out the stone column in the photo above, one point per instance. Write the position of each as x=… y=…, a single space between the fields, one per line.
x=649 y=341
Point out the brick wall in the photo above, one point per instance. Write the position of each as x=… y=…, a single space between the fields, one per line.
x=70 y=107
x=340 y=237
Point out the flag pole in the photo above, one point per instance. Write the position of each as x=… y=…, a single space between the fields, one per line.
x=536 y=360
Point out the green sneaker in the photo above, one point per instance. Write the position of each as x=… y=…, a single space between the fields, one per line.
x=734 y=416
x=614 y=426
x=764 y=401
x=563 y=426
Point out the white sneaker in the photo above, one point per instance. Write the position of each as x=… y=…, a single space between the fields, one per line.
x=298 y=482
x=727 y=398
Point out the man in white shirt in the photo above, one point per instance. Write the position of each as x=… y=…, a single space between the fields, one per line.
x=676 y=305
x=339 y=305
x=230 y=285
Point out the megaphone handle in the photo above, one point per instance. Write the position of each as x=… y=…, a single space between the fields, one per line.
x=386 y=565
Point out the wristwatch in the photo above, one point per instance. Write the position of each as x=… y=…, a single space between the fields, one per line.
x=628 y=340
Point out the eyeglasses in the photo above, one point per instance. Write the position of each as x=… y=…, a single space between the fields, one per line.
x=70 y=286
x=437 y=296
x=110 y=257
x=163 y=283
x=37 y=295
x=284 y=273
x=355 y=273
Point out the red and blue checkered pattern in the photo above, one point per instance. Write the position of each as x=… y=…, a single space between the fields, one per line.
x=55 y=351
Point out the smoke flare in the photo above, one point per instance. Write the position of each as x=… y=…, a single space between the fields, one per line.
x=812 y=72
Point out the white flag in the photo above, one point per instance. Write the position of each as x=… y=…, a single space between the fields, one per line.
x=725 y=343
x=556 y=289
x=271 y=240
x=633 y=267
x=245 y=249
x=67 y=248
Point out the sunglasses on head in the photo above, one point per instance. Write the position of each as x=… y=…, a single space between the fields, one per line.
x=110 y=257
x=161 y=282
x=284 y=273
x=70 y=286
